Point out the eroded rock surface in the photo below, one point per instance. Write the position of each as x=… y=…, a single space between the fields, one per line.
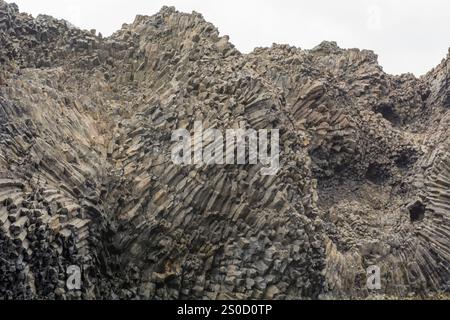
x=86 y=177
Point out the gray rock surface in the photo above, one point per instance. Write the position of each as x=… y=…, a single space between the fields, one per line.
x=86 y=177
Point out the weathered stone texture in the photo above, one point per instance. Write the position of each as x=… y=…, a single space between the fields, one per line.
x=86 y=177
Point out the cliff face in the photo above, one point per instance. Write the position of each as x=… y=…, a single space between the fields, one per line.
x=86 y=177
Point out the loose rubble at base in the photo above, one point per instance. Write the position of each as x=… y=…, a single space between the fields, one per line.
x=86 y=177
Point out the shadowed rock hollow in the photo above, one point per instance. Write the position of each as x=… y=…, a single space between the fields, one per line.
x=86 y=177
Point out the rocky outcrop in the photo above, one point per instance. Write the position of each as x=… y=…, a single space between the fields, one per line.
x=86 y=177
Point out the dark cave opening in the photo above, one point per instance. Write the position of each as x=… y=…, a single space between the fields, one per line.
x=376 y=173
x=388 y=112
x=417 y=211
x=406 y=158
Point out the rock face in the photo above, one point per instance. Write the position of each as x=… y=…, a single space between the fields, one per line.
x=86 y=177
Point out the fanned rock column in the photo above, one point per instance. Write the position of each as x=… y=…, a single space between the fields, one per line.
x=86 y=177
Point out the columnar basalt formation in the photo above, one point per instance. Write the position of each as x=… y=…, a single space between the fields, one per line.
x=86 y=176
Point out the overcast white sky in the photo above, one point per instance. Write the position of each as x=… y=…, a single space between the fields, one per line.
x=408 y=35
